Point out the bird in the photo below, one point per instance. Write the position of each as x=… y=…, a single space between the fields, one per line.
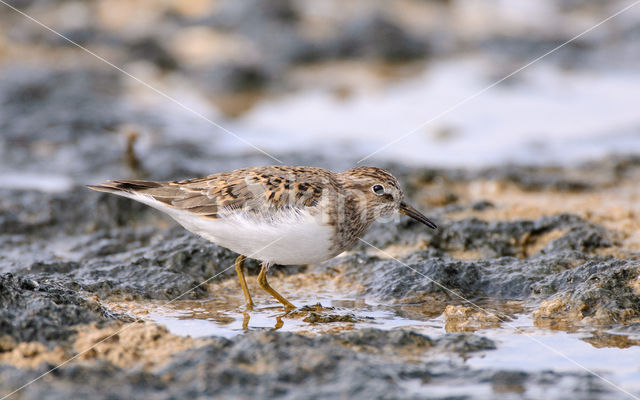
x=285 y=215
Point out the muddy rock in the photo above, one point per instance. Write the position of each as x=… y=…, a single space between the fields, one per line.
x=79 y=211
x=508 y=278
x=33 y=310
x=590 y=175
x=138 y=264
x=597 y=292
x=495 y=238
x=59 y=113
x=163 y=269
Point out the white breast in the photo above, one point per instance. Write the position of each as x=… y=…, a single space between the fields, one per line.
x=292 y=237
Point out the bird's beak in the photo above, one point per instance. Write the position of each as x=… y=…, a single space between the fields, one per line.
x=415 y=214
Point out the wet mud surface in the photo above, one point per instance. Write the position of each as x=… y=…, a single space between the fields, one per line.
x=529 y=288
x=419 y=311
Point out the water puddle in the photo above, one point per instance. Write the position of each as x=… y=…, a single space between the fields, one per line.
x=546 y=350
x=578 y=352
x=212 y=318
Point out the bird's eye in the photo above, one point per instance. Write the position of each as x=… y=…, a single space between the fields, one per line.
x=378 y=189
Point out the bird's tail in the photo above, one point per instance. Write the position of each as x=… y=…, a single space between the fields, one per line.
x=126 y=186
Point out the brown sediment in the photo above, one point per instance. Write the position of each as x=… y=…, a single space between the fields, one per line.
x=317 y=318
x=32 y=354
x=312 y=282
x=317 y=314
x=616 y=207
x=398 y=250
x=143 y=345
x=557 y=314
x=140 y=344
x=465 y=318
x=467 y=255
x=422 y=306
x=469 y=319
x=7 y=343
x=563 y=314
x=327 y=329
x=341 y=75
x=235 y=104
x=604 y=339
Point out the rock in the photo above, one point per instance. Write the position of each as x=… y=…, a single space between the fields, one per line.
x=42 y=311
x=597 y=292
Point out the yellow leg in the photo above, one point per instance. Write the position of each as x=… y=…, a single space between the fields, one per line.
x=245 y=320
x=262 y=281
x=243 y=282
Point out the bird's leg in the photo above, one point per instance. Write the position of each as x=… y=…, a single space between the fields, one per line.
x=243 y=282
x=245 y=320
x=262 y=281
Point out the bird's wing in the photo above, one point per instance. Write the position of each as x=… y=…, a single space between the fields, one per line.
x=215 y=196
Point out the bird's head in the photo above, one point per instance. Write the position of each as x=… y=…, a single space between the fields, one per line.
x=380 y=194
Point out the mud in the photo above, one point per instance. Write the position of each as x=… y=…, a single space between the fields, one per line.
x=73 y=277
x=267 y=364
x=477 y=273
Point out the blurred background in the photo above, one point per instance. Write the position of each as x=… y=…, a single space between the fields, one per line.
x=215 y=84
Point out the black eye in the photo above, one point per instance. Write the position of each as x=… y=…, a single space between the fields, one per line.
x=378 y=189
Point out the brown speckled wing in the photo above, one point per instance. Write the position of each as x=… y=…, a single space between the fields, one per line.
x=253 y=190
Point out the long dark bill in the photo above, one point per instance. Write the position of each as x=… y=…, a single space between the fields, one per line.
x=415 y=214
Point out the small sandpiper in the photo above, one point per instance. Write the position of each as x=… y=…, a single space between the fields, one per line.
x=278 y=214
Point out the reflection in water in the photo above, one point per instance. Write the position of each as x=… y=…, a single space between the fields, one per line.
x=279 y=322
x=311 y=314
x=246 y=317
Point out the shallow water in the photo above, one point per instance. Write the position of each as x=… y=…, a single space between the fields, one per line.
x=560 y=351
x=521 y=346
